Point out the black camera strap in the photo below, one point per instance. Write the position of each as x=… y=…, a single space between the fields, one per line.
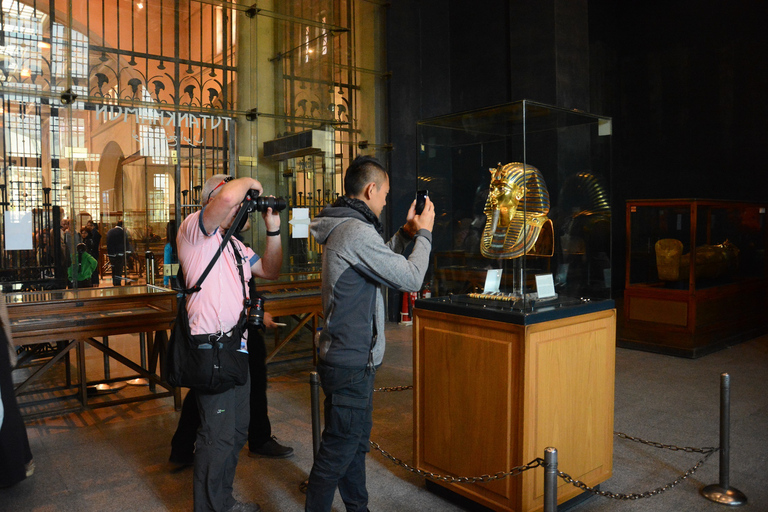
x=196 y=288
x=239 y=259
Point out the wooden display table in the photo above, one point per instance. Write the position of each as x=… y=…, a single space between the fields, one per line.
x=299 y=299
x=72 y=318
x=490 y=395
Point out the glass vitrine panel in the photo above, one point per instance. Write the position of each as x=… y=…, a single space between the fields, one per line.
x=725 y=240
x=522 y=189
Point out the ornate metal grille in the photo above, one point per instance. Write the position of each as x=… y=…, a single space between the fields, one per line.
x=156 y=80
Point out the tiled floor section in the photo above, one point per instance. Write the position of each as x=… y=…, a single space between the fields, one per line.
x=115 y=458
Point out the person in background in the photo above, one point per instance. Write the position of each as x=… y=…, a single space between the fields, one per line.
x=82 y=268
x=170 y=254
x=116 y=252
x=357 y=265
x=93 y=248
x=261 y=442
x=83 y=238
x=16 y=462
x=66 y=242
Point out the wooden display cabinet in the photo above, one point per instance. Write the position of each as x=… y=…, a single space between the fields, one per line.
x=72 y=319
x=490 y=395
x=678 y=308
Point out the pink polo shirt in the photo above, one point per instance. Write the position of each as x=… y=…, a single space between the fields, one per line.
x=218 y=304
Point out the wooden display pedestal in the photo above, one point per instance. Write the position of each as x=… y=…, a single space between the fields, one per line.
x=491 y=395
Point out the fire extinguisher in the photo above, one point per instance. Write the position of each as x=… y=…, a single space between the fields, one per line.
x=426 y=292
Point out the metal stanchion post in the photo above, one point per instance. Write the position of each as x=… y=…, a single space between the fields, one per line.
x=150 y=256
x=314 y=390
x=314 y=382
x=722 y=492
x=550 y=479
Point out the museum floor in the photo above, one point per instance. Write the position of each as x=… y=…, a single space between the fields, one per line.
x=115 y=458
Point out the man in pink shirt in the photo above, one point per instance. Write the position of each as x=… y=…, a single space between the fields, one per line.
x=214 y=311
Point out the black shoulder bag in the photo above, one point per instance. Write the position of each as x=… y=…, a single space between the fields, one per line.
x=208 y=363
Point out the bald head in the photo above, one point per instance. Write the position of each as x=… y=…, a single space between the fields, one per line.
x=212 y=187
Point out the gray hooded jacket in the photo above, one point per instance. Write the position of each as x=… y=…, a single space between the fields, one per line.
x=357 y=263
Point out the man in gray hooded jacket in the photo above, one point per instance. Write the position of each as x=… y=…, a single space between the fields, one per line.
x=357 y=264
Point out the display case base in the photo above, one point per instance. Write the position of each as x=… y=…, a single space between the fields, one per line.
x=728 y=326
x=468 y=504
x=492 y=395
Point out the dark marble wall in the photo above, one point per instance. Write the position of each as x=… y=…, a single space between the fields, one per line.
x=688 y=96
x=685 y=82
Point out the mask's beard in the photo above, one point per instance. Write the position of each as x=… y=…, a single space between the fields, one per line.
x=494 y=221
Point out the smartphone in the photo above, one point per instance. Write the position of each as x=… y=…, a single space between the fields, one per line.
x=421 y=200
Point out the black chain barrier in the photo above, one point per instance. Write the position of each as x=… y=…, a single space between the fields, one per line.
x=707 y=451
x=444 y=478
x=393 y=388
x=458 y=479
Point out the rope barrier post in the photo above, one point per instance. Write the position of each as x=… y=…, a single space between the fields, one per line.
x=722 y=492
x=150 y=257
x=314 y=394
x=314 y=385
x=550 y=479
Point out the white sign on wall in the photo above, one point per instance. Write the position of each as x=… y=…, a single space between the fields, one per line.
x=18 y=231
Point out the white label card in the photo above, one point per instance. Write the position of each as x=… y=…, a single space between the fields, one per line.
x=492 y=281
x=545 y=286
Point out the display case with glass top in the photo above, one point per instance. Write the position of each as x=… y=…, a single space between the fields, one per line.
x=522 y=198
x=54 y=315
x=522 y=277
x=696 y=274
x=50 y=325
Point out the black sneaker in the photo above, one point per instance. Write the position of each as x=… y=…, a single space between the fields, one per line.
x=272 y=450
x=181 y=461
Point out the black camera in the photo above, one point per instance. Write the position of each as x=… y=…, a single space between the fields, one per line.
x=255 y=312
x=254 y=203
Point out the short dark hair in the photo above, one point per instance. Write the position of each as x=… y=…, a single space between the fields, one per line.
x=362 y=171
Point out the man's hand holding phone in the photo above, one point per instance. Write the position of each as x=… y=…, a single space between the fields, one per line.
x=421 y=214
x=421 y=200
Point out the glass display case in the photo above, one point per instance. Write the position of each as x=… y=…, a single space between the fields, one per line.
x=521 y=190
x=696 y=274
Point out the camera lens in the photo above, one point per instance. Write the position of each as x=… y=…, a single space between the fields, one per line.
x=277 y=204
x=256 y=313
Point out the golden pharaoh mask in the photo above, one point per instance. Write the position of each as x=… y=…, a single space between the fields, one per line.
x=516 y=214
